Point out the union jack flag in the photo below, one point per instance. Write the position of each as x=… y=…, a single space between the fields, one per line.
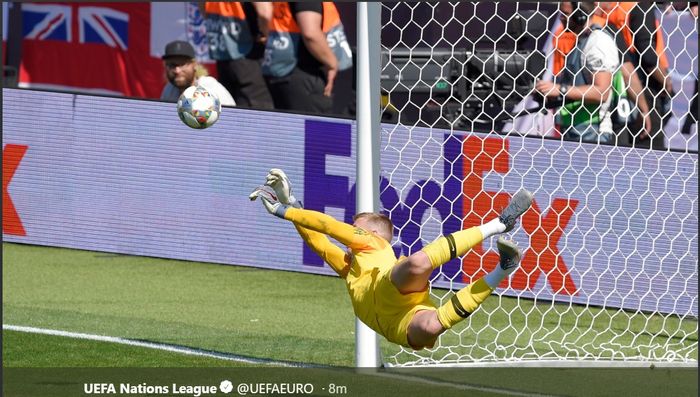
x=46 y=22
x=103 y=47
x=103 y=25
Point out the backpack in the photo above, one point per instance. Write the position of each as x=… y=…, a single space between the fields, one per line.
x=620 y=112
x=623 y=111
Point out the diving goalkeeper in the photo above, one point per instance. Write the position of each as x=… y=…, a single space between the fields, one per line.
x=391 y=295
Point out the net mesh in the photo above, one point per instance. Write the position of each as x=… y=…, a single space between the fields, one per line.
x=609 y=271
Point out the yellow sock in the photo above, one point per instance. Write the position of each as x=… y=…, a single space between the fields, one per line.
x=463 y=303
x=453 y=245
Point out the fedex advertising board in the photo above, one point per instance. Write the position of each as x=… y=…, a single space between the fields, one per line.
x=610 y=226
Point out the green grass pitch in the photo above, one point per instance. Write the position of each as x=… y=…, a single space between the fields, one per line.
x=262 y=314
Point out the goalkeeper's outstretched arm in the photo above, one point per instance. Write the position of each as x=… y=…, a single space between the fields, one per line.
x=329 y=252
x=352 y=237
x=318 y=242
x=348 y=235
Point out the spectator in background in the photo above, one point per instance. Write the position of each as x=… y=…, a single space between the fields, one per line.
x=304 y=52
x=237 y=32
x=583 y=76
x=182 y=71
x=692 y=117
x=637 y=23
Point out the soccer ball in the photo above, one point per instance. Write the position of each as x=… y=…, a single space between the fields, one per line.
x=198 y=108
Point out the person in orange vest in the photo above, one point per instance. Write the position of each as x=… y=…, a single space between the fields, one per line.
x=304 y=52
x=637 y=23
x=237 y=32
x=625 y=119
x=585 y=59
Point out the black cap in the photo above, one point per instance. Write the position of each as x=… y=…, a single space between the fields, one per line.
x=178 y=49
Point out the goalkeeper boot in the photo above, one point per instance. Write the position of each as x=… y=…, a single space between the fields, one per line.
x=510 y=259
x=510 y=255
x=520 y=202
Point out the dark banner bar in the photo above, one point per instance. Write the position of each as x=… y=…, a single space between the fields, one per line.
x=197 y=382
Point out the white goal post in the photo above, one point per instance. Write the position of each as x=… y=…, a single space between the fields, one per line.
x=610 y=268
x=368 y=18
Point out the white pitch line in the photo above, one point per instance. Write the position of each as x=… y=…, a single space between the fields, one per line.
x=252 y=360
x=154 y=345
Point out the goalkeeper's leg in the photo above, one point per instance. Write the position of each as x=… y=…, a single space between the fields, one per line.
x=427 y=325
x=413 y=273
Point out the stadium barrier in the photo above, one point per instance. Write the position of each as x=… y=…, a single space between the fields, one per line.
x=126 y=176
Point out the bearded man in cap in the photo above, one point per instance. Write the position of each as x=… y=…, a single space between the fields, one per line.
x=182 y=71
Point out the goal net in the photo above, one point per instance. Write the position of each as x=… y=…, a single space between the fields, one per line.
x=610 y=267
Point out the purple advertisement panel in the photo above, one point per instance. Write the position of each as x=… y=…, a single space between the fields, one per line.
x=610 y=226
x=127 y=176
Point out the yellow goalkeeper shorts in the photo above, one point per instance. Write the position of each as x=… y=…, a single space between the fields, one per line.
x=396 y=310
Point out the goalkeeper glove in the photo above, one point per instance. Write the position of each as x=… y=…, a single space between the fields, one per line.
x=278 y=181
x=270 y=200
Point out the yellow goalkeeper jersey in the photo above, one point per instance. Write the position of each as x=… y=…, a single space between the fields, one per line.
x=366 y=272
x=375 y=258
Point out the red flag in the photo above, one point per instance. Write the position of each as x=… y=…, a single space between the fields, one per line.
x=90 y=47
